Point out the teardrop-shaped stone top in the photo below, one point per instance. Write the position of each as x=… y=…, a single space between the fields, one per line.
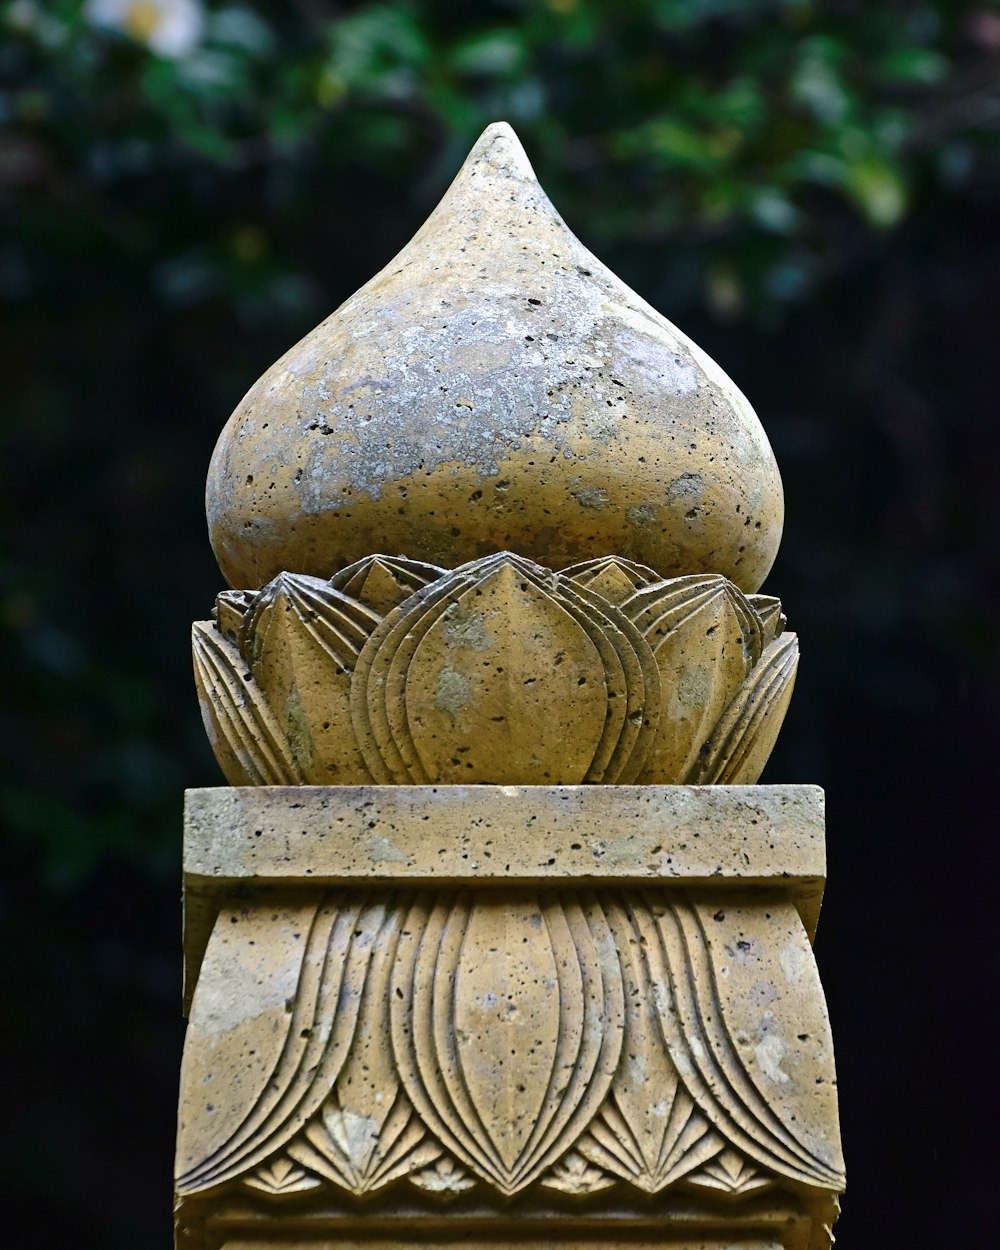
x=495 y=387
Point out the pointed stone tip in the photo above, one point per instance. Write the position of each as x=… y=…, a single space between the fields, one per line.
x=500 y=148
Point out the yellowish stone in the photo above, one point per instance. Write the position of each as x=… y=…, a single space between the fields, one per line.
x=495 y=387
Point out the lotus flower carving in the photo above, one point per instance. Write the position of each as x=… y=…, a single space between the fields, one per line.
x=512 y=1039
x=396 y=671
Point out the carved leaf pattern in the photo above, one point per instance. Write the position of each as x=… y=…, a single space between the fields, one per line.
x=573 y=1174
x=706 y=638
x=568 y=1039
x=506 y=1063
x=245 y=736
x=319 y=1031
x=649 y=1130
x=479 y=680
x=614 y=578
x=445 y=1177
x=730 y=1173
x=362 y=1153
x=281 y=1176
x=689 y=1005
x=738 y=748
x=398 y=672
x=366 y=1133
x=383 y=582
x=301 y=640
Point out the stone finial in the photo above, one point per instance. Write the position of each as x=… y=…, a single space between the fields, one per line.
x=494 y=388
x=491 y=940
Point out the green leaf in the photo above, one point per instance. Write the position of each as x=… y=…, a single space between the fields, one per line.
x=495 y=53
x=878 y=190
x=924 y=66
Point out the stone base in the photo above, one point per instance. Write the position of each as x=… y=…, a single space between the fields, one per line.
x=778 y=1222
x=481 y=1016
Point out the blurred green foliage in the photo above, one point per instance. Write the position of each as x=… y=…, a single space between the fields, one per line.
x=809 y=188
x=746 y=126
x=156 y=206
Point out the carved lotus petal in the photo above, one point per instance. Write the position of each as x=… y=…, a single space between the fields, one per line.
x=612 y=577
x=490 y=681
x=397 y=630
x=383 y=582
x=311 y=970
x=509 y=1064
x=468 y=674
x=772 y=619
x=248 y=742
x=706 y=638
x=361 y=1152
x=751 y=1077
x=739 y=746
x=301 y=639
x=649 y=1130
x=468 y=680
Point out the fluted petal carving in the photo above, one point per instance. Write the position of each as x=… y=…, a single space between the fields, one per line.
x=570 y=1040
x=772 y=619
x=737 y=749
x=243 y=731
x=362 y=1153
x=507 y=1049
x=301 y=639
x=612 y=577
x=366 y=1133
x=398 y=672
x=706 y=638
x=312 y=985
x=383 y=582
x=756 y=1104
x=649 y=1131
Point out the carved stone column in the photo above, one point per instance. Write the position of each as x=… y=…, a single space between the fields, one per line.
x=493 y=940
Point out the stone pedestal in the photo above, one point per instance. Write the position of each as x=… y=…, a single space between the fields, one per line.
x=499 y=1016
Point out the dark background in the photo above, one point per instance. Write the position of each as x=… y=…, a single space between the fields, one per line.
x=810 y=190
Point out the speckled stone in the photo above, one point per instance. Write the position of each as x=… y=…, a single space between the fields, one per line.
x=457 y=1002
x=495 y=387
x=276 y=837
x=469 y=677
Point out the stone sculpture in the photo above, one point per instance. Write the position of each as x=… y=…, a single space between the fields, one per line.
x=494 y=941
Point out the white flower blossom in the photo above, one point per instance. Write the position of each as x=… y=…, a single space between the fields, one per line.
x=170 y=28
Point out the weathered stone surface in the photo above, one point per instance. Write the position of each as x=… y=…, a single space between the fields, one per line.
x=496 y=979
x=494 y=388
x=473 y=1033
x=466 y=676
x=765 y=1223
x=726 y=837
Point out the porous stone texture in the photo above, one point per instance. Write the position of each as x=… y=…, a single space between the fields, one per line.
x=494 y=387
x=244 y=839
x=398 y=671
x=462 y=1053
x=493 y=945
